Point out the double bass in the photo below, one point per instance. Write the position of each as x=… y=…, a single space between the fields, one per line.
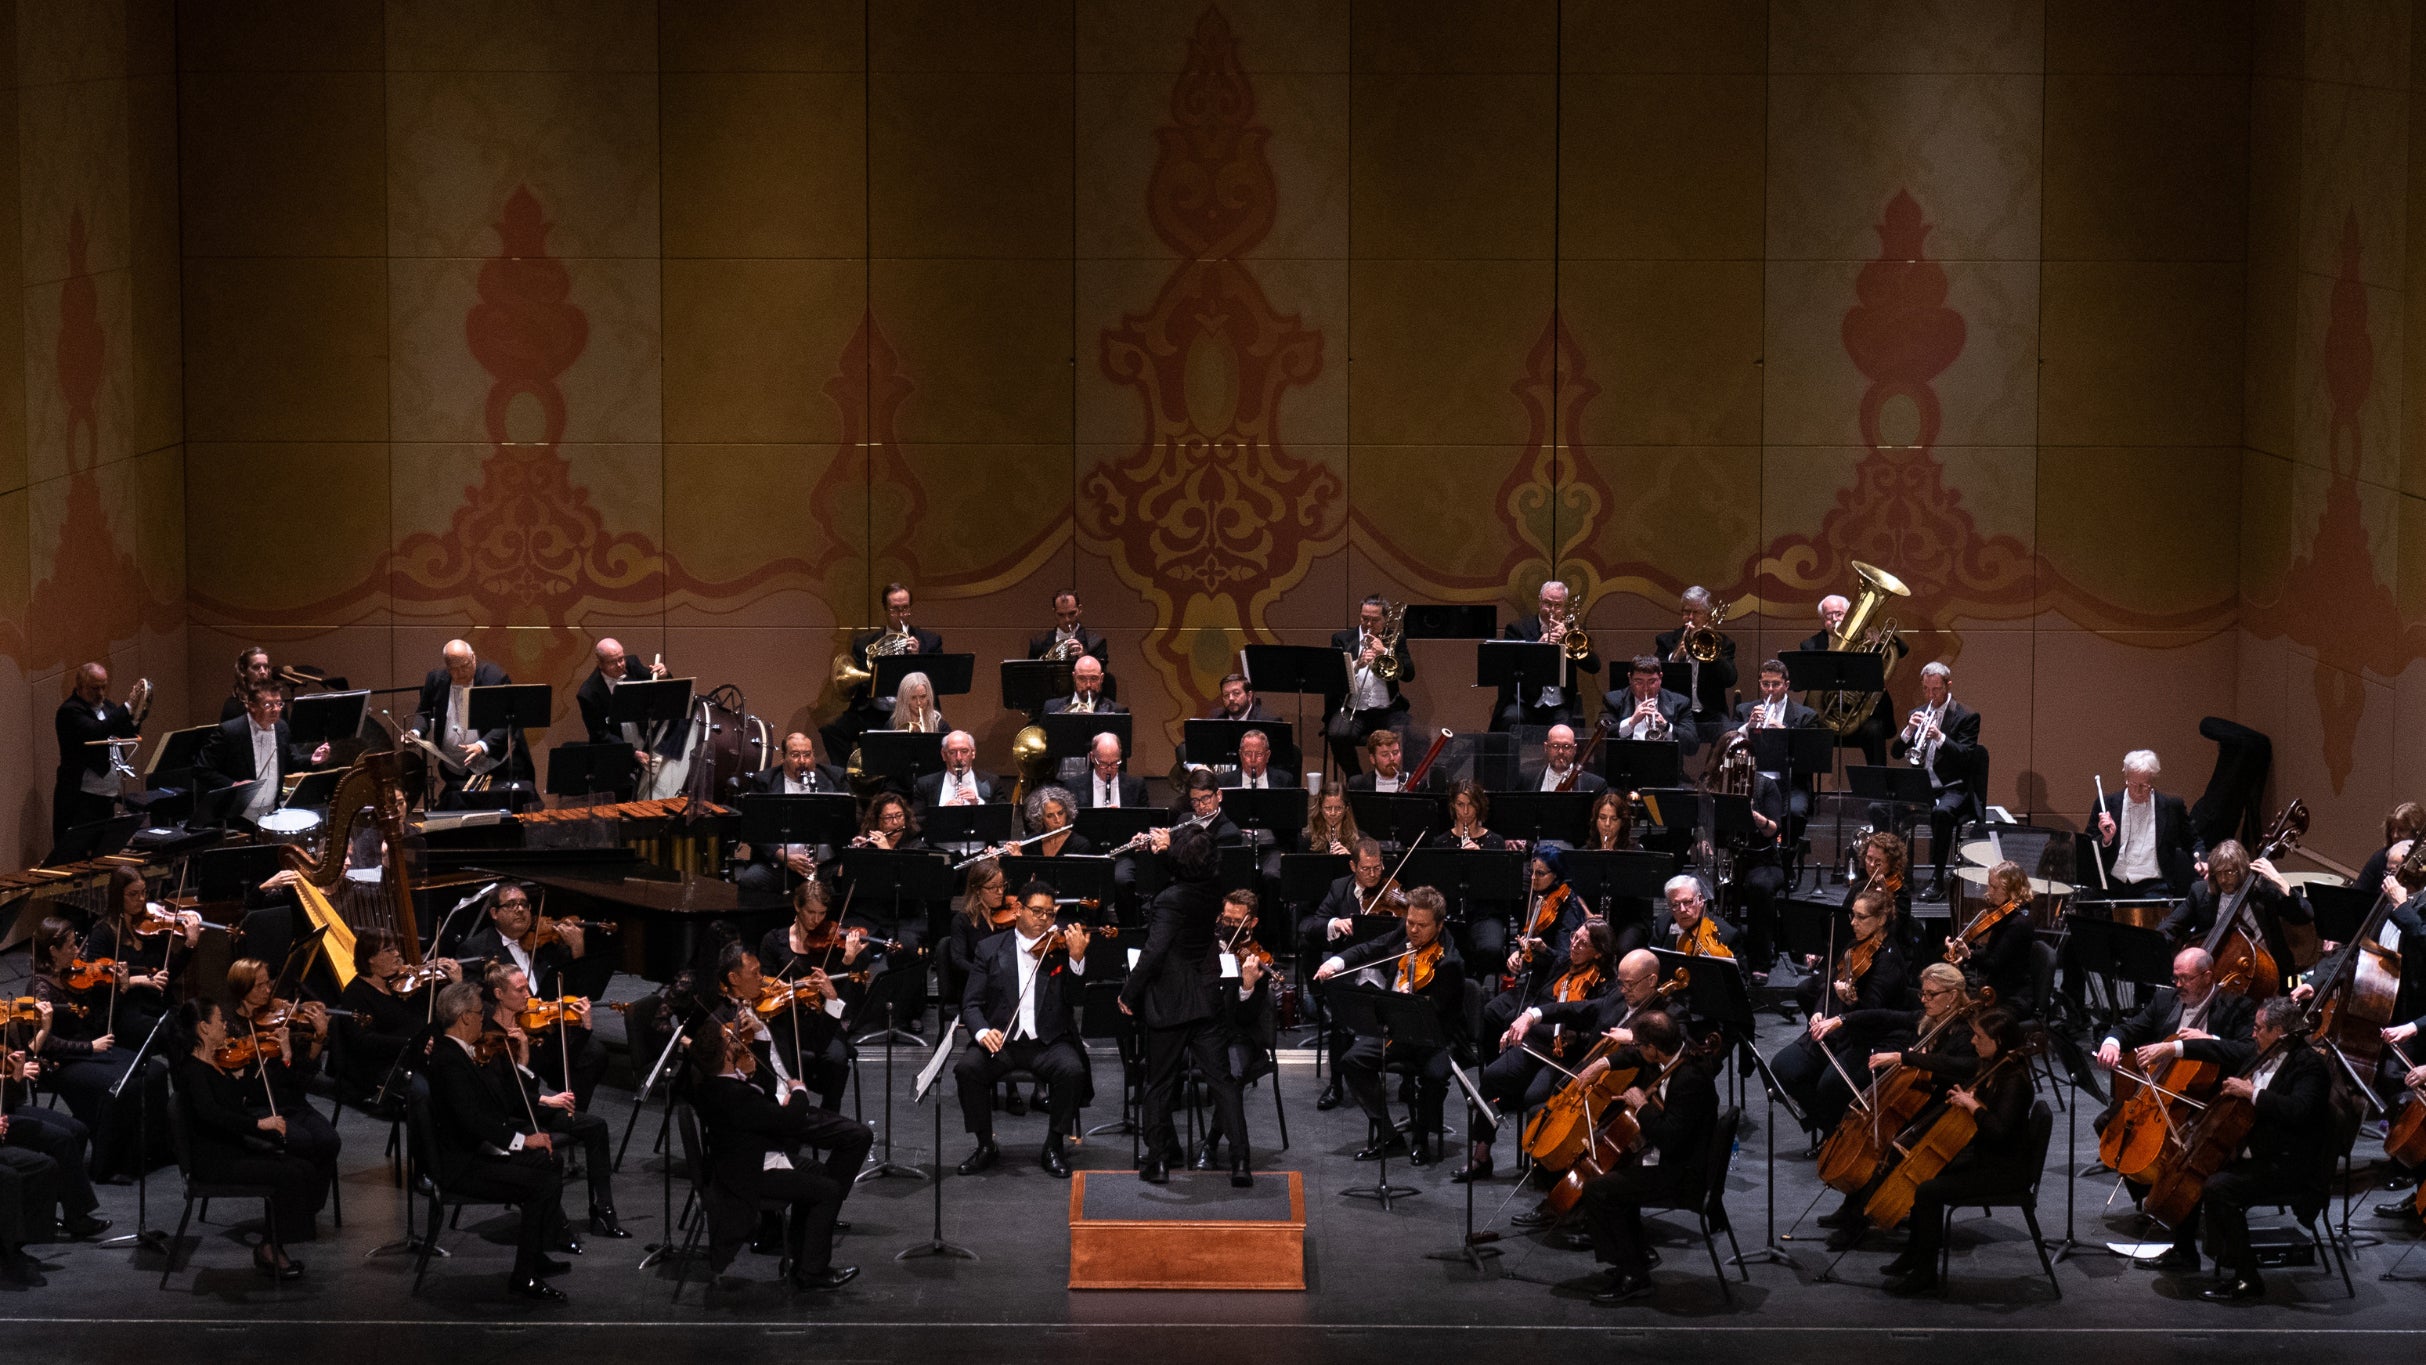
x=2357 y=988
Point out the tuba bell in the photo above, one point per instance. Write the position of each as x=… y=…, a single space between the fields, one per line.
x=1846 y=712
x=1032 y=759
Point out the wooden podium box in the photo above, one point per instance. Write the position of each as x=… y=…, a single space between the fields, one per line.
x=1194 y=1233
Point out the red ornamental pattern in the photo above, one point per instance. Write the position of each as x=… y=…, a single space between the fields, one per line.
x=1210 y=518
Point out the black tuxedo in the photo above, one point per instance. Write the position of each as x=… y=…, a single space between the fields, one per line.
x=861 y=711
x=1056 y=1054
x=76 y=724
x=927 y=791
x=1274 y=777
x=741 y=1125
x=2195 y=916
x=227 y=758
x=1363 y=782
x=766 y=870
x=429 y=713
x=471 y=1118
x=1676 y=706
x=1529 y=779
x=1510 y=709
x=1171 y=991
x=2178 y=847
x=1346 y=729
x=1679 y=1130
x=1132 y=790
x=2228 y=1016
x=595 y=697
x=1362 y=1067
x=1798 y=796
x=548 y=966
x=1713 y=679
x=2290 y=1150
x=1798 y=716
x=1952 y=770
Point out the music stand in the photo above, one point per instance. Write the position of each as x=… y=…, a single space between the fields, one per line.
x=514 y=706
x=325 y=717
x=1641 y=764
x=1397 y=817
x=951 y=675
x=1027 y=684
x=1468 y=1249
x=987 y=822
x=213 y=808
x=177 y=752
x=927 y=1077
x=900 y=755
x=1306 y=670
x=1214 y=743
x=1108 y=827
x=1801 y=753
x=1535 y=816
x=1431 y=621
x=1520 y=666
x=919 y=877
x=1467 y=875
x=1603 y=875
x=1280 y=811
x=228 y=872
x=1305 y=878
x=654 y=704
x=1073 y=877
x=1394 y=1018
x=585 y=770
x=80 y=843
x=1824 y=672
x=1073 y=736
x=2340 y=910
x=811 y=818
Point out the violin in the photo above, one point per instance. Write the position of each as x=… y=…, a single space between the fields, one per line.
x=779 y=996
x=1057 y=940
x=412 y=979
x=536 y=1014
x=1383 y=899
x=238 y=1053
x=1851 y=968
x=85 y=976
x=488 y=1047
x=154 y=921
x=1242 y=945
x=26 y=1009
x=1416 y=969
x=544 y=931
x=1980 y=926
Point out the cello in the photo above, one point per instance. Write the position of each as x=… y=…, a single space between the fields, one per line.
x=2179 y=1181
x=1562 y=1128
x=1853 y=1155
x=2243 y=959
x=1618 y=1137
x=1928 y=1152
x=2356 y=989
x=2153 y=1110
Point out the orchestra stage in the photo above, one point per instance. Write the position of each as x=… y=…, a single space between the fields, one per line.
x=1374 y=1289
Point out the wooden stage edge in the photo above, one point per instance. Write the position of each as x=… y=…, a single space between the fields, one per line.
x=1187 y=1253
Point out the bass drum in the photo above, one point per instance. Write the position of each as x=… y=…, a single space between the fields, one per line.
x=728 y=746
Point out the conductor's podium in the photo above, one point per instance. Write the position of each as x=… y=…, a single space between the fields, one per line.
x=1194 y=1233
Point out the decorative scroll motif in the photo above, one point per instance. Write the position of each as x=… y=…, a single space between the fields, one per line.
x=1210 y=518
x=2333 y=600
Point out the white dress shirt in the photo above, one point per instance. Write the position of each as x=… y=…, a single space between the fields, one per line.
x=1366 y=689
x=2135 y=841
x=265 y=771
x=1023 y=1023
x=1107 y=792
x=455 y=733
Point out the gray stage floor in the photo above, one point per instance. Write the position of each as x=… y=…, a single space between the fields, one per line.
x=1372 y=1289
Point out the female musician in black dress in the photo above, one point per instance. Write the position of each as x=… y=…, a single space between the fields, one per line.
x=234 y=1137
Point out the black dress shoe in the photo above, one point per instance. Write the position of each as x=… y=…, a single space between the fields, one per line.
x=1901 y=1266
x=1622 y=1288
x=603 y=1224
x=1847 y=1238
x=1420 y=1154
x=1477 y=1168
x=531 y=1287
x=832 y=1277
x=2234 y=1290
x=2400 y=1180
x=1051 y=1160
x=2174 y=1262
x=551 y=1266
x=1842 y=1218
x=2404 y=1209
x=1923 y=1281
x=84 y=1226
x=1015 y=1104
x=1388 y=1147
x=570 y=1246
x=1330 y=1097
x=1242 y=1176
x=1154 y=1172
x=1934 y=891
x=266 y=1269
x=1208 y=1157
x=982 y=1159
x=1540 y=1217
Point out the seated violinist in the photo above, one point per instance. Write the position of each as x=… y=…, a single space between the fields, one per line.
x=149 y=943
x=834 y=965
x=1415 y=960
x=236 y=1137
x=1692 y=929
x=520 y=1070
x=1521 y=1076
x=983 y=910
x=1243 y=1013
x=1676 y=1106
x=1356 y=898
x=1020 y=1007
x=391 y=1006
x=491 y=1148
x=1538 y=957
x=755 y=1145
x=2287 y=1157
x=511 y=936
x=1994 y=949
x=1932 y=1040
x=565 y=1053
x=288 y=1039
x=82 y=1059
x=2234 y=882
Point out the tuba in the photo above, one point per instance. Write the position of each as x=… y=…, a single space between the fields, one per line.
x=1846 y=712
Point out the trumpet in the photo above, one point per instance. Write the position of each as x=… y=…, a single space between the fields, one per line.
x=1916 y=753
x=1701 y=643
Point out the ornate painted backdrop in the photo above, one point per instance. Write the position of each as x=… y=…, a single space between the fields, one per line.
x=690 y=323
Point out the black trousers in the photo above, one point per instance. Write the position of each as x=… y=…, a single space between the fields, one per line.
x=1057 y=1065
x=527 y=1179
x=1951 y=1188
x=67 y=1143
x=1759 y=885
x=596 y=1137
x=1346 y=732
x=1363 y=1067
x=1167 y=1052
x=1803 y=1072
x=816 y=1199
x=1515 y=1080
x=589 y=1063
x=1612 y=1207
x=1944 y=814
x=116 y=1123
x=2223 y=1211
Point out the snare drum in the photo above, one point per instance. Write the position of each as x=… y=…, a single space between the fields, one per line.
x=289 y=826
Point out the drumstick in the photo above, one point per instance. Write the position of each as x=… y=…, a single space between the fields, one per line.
x=2094 y=855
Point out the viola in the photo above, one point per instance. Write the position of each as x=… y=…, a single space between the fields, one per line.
x=1704 y=941
x=238 y=1053
x=1851 y=967
x=1416 y=969
x=1241 y=944
x=412 y=979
